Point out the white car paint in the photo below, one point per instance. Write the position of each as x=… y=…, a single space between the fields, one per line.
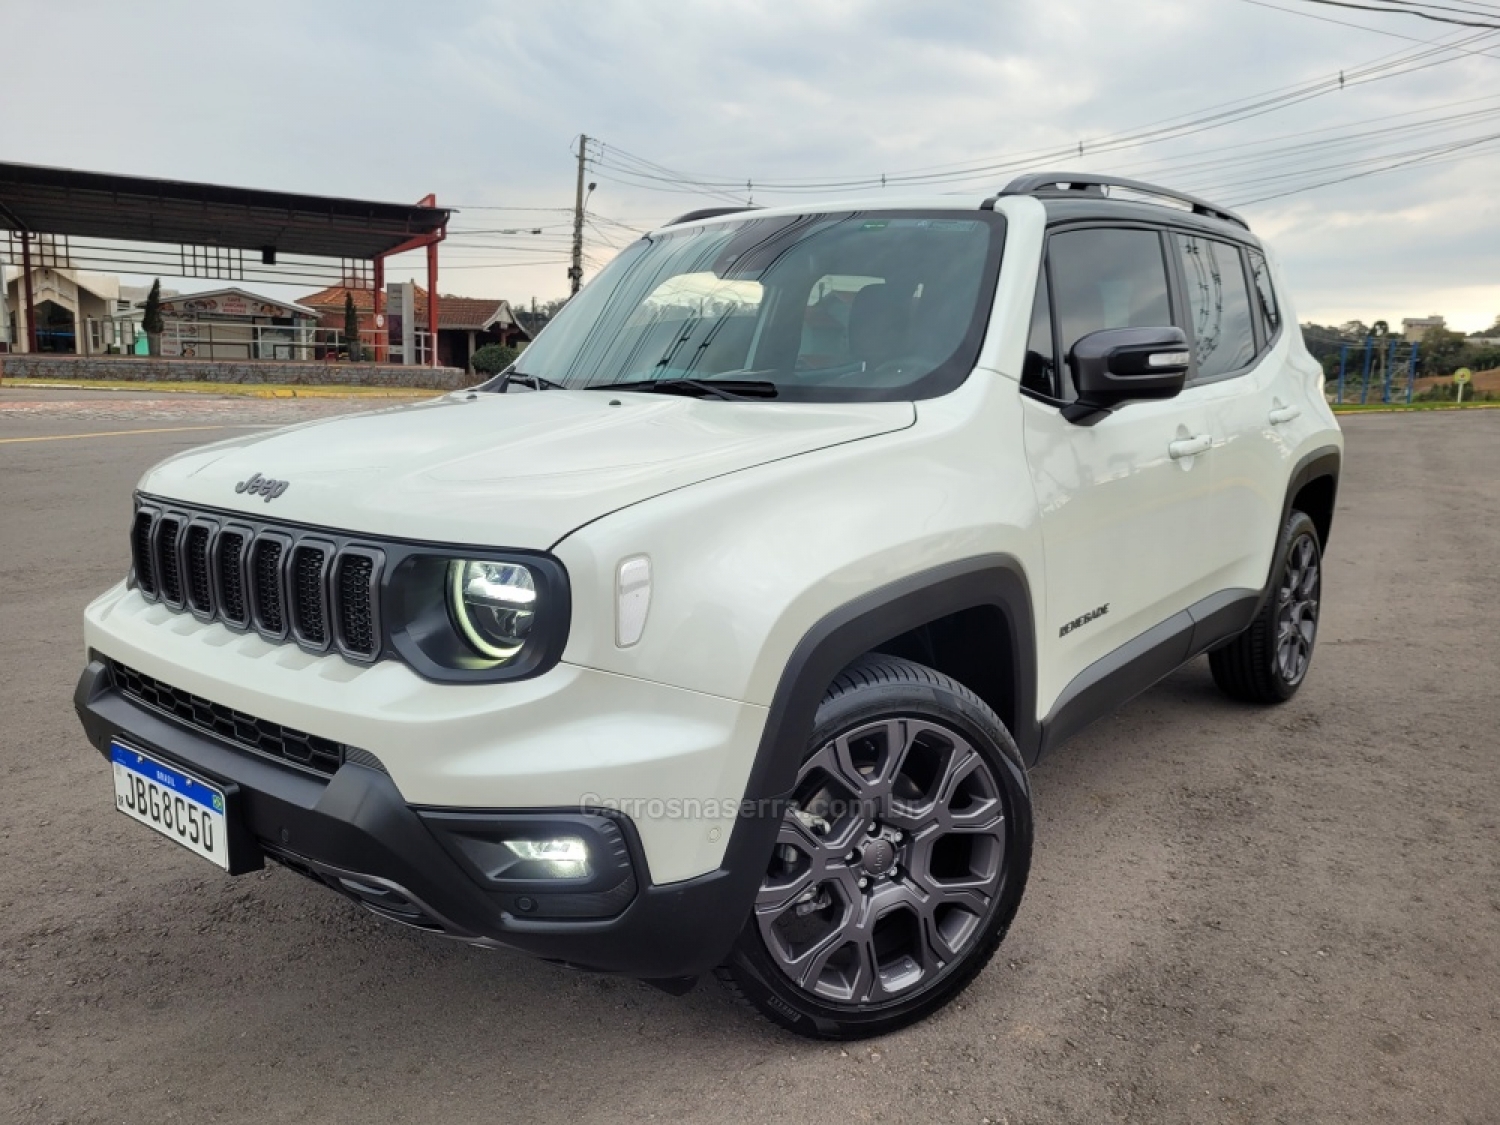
x=758 y=520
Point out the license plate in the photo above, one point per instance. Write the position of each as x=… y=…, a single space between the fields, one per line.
x=179 y=806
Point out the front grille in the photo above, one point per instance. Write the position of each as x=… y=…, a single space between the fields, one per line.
x=321 y=755
x=278 y=581
x=229 y=560
x=309 y=596
x=168 y=565
x=200 y=594
x=265 y=577
x=140 y=550
x=354 y=590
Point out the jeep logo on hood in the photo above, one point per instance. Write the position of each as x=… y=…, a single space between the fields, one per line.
x=262 y=486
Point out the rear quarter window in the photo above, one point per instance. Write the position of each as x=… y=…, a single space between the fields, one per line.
x=1218 y=304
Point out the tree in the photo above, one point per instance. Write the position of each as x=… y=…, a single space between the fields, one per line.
x=534 y=319
x=1441 y=352
x=151 y=322
x=1355 y=328
x=493 y=358
x=351 y=327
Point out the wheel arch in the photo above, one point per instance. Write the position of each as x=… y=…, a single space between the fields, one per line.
x=986 y=590
x=1313 y=488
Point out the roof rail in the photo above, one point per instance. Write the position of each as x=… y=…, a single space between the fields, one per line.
x=708 y=213
x=1061 y=183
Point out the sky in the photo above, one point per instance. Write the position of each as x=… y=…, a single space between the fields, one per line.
x=719 y=100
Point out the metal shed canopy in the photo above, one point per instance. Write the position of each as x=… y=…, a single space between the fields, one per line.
x=62 y=201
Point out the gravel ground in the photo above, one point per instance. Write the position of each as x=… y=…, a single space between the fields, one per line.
x=1239 y=915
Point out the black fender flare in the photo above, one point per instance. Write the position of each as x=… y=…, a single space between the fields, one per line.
x=1326 y=461
x=834 y=642
x=855 y=628
x=1323 y=462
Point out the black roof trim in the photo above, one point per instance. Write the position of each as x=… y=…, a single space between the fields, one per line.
x=708 y=213
x=1065 y=183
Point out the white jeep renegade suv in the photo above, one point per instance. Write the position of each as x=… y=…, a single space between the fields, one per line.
x=720 y=633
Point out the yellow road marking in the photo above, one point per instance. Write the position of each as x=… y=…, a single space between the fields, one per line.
x=121 y=433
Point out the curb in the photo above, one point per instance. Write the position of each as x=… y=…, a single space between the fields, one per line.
x=236 y=390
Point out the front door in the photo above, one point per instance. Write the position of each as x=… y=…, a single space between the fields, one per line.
x=1127 y=504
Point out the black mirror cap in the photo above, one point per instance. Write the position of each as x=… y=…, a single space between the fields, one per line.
x=1120 y=365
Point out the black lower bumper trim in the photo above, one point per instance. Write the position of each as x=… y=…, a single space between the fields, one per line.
x=356 y=834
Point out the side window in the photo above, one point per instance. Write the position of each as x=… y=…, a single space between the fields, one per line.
x=1039 y=369
x=1105 y=278
x=1265 y=292
x=1219 y=304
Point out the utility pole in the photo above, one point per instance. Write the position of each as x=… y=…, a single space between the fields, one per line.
x=575 y=271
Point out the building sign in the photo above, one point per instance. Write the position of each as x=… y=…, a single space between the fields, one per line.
x=231 y=303
x=401 y=321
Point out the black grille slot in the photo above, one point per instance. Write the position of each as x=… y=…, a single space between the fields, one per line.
x=322 y=755
x=140 y=551
x=200 y=596
x=265 y=573
x=229 y=550
x=169 y=573
x=353 y=582
x=320 y=591
x=309 y=598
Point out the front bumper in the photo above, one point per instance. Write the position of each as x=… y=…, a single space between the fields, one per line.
x=678 y=761
x=425 y=867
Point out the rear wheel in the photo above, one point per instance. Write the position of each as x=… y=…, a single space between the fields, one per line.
x=1268 y=661
x=900 y=861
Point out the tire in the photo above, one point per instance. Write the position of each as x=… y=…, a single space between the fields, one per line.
x=900 y=862
x=1269 y=661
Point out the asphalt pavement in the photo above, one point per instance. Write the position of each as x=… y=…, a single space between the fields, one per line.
x=1235 y=914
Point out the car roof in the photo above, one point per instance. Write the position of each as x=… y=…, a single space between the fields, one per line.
x=1068 y=197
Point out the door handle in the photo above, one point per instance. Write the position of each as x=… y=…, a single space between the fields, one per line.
x=1190 y=447
x=1284 y=414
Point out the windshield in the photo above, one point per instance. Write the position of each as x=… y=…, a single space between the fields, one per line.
x=825 y=307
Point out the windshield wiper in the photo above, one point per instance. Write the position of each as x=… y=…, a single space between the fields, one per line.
x=735 y=390
x=501 y=382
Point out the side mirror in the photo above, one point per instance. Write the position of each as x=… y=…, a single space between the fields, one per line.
x=1120 y=365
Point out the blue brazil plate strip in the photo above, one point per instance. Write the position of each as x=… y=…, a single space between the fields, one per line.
x=137 y=762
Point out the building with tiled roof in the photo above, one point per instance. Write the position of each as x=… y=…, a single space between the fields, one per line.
x=465 y=324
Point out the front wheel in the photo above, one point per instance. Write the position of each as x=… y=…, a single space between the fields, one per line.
x=900 y=861
x=1268 y=661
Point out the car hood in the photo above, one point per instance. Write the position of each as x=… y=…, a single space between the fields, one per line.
x=516 y=470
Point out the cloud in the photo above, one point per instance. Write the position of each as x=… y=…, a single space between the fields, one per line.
x=480 y=103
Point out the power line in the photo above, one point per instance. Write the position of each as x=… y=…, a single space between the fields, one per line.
x=1292 y=154
x=1362 y=27
x=641 y=173
x=1469 y=144
x=1420 y=13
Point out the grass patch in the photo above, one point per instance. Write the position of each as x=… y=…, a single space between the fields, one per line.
x=1393 y=407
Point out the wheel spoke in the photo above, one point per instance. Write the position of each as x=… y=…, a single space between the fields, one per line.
x=810 y=965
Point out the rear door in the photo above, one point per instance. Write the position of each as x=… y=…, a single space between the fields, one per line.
x=1242 y=369
x=1127 y=509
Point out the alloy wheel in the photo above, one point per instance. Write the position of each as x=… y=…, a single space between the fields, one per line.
x=1297 y=611
x=888 y=862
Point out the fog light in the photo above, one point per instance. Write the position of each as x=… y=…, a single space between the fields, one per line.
x=566 y=857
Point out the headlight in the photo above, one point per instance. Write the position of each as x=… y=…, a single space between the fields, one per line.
x=494 y=604
x=477 y=617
